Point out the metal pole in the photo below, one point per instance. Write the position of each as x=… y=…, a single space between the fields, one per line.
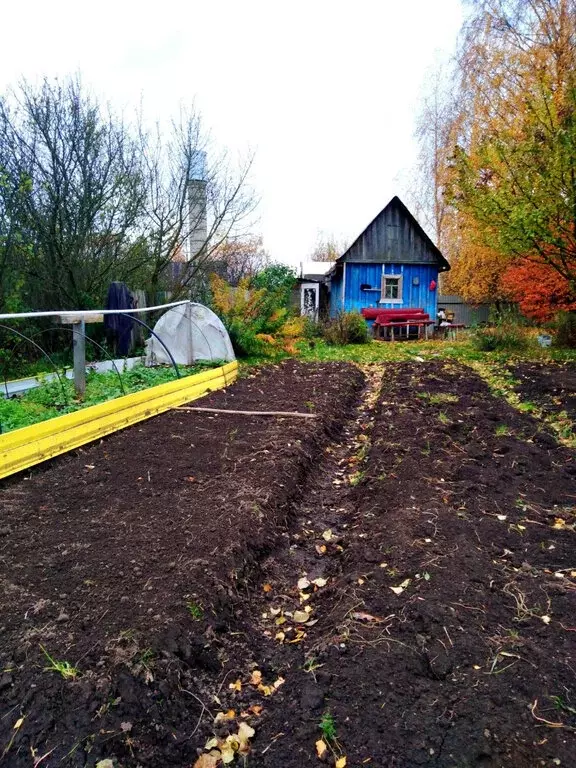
x=79 y=347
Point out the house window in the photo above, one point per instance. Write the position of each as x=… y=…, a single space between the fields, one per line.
x=391 y=289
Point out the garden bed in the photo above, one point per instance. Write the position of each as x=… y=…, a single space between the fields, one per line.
x=445 y=631
x=550 y=386
x=127 y=560
x=57 y=397
x=434 y=524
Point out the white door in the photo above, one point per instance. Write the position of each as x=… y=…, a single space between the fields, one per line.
x=309 y=295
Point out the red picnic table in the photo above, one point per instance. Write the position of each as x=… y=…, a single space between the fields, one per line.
x=392 y=325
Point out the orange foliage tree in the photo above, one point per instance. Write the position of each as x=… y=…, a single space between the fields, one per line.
x=257 y=319
x=539 y=290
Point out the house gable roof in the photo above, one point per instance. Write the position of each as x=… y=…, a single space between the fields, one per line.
x=395 y=236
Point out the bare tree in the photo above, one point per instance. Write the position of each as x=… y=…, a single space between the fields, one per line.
x=86 y=198
x=237 y=258
x=79 y=193
x=328 y=248
x=195 y=202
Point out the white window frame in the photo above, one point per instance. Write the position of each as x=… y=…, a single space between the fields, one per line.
x=383 y=299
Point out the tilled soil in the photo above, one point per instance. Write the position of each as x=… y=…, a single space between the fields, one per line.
x=433 y=527
x=130 y=560
x=445 y=631
x=551 y=386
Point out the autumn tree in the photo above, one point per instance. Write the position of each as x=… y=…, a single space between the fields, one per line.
x=505 y=162
x=237 y=258
x=514 y=167
x=328 y=248
x=539 y=290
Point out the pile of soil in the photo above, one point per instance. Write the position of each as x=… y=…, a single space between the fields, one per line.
x=130 y=560
x=551 y=386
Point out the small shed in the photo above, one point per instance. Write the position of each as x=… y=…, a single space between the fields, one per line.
x=311 y=294
x=392 y=264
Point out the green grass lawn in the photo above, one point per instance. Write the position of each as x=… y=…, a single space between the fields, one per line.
x=51 y=399
x=377 y=352
x=55 y=398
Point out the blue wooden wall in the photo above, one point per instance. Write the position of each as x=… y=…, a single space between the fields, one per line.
x=413 y=296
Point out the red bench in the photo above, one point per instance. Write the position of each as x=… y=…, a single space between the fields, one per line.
x=371 y=313
x=387 y=321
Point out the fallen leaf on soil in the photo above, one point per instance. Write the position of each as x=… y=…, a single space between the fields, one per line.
x=383 y=565
x=280 y=636
x=361 y=616
x=230 y=715
x=340 y=763
x=18 y=723
x=280 y=620
x=256 y=709
x=327 y=535
x=267 y=587
x=559 y=523
x=304 y=596
x=300 y=635
x=300 y=617
x=399 y=589
x=320 y=582
x=228 y=748
x=211 y=760
x=501 y=518
x=321 y=748
x=245 y=732
x=237 y=686
x=546 y=619
x=360 y=581
x=321 y=549
x=275 y=611
x=256 y=678
x=109 y=764
x=303 y=583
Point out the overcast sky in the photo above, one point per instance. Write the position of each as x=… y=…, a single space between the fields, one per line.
x=325 y=91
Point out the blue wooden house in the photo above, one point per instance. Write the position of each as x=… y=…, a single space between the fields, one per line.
x=393 y=264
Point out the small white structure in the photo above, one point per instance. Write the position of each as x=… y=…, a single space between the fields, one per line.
x=191 y=332
x=311 y=275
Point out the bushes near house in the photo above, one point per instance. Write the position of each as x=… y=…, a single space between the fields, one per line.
x=257 y=313
x=506 y=336
x=566 y=330
x=346 y=328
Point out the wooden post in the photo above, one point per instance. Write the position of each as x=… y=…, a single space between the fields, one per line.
x=79 y=347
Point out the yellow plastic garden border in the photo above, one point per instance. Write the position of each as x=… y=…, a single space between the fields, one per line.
x=27 y=446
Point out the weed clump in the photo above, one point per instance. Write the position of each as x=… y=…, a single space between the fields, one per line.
x=566 y=330
x=508 y=337
x=346 y=328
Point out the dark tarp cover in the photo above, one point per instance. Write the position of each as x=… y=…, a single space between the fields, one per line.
x=119 y=327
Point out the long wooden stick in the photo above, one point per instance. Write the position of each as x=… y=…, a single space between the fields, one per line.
x=282 y=414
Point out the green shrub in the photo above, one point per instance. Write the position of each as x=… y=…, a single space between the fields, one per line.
x=346 y=328
x=312 y=329
x=505 y=337
x=566 y=330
